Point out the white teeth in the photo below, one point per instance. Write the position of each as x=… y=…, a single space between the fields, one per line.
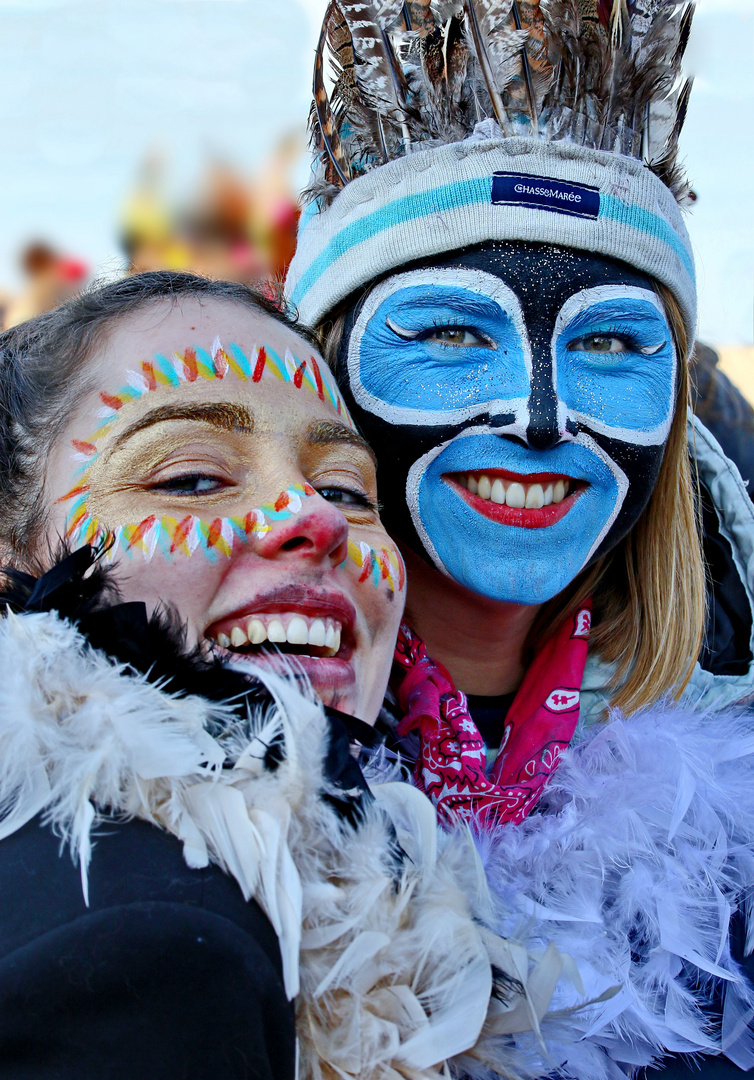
x=257 y=631
x=515 y=496
x=498 y=493
x=298 y=632
x=535 y=497
x=530 y=496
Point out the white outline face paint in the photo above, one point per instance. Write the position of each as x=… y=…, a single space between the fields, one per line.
x=524 y=559
x=552 y=370
x=443 y=284
x=589 y=300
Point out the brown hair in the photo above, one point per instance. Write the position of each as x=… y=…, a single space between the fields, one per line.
x=43 y=374
x=648 y=592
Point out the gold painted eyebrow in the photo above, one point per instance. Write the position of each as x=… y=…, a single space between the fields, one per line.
x=322 y=432
x=226 y=415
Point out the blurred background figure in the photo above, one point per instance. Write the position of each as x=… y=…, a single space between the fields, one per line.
x=49 y=278
x=241 y=228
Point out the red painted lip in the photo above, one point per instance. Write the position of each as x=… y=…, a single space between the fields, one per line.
x=306 y=599
x=522 y=518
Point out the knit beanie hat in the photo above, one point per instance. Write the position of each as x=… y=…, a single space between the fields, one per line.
x=390 y=190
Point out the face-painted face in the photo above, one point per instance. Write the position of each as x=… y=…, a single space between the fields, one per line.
x=216 y=454
x=519 y=398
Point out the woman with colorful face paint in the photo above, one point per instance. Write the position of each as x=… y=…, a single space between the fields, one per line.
x=196 y=666
x=505 y=290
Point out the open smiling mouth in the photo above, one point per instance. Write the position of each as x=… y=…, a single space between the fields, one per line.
x=266 y=634
x=534 y=501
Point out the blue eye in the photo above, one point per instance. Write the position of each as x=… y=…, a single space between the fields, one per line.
x=343 y=496
x=191 y=484
x=606 y=344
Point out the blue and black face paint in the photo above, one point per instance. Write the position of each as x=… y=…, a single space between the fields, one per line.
x=519 y=397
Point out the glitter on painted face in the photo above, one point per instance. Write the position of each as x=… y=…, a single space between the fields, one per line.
x=543 y=374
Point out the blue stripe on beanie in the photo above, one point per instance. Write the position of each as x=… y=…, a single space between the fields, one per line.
x=398 y=213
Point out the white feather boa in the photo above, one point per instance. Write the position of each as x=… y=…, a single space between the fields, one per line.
x=390 y=957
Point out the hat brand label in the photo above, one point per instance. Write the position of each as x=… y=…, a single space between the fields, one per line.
x=523 y=189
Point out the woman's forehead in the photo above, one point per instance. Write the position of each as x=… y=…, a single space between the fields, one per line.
x=211 y=350
x=542 y=276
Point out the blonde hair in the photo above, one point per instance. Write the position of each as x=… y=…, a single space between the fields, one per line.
x=649 y=592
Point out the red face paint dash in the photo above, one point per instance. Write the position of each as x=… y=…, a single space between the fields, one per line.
x=259 y=366
x=110 y=401
x=282 y=501
x=190 y=366
x=366 y=569
x=148 y=369
x=143 y=528
x=318 y=379
x=84 y=447
x=220 y=364
x=299 y=375
x=215 y=532
x=182 y=529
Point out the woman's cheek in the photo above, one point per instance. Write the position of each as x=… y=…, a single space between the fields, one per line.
x=376 y=566
x=186 y=584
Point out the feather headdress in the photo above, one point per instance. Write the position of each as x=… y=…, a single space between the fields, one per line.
x=391 y=77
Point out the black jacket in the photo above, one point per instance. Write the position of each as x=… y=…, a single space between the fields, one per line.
x=168 y=974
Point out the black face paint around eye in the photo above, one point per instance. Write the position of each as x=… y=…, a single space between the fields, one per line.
x=519 y=398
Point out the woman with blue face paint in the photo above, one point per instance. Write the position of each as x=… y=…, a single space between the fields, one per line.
x=505 y=290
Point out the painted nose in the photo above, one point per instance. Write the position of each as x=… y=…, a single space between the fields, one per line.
x=543 y=431
x=318 y=532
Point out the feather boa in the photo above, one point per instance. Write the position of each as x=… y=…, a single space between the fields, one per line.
x=385 y=944
x=642 y=854
x=448 y=952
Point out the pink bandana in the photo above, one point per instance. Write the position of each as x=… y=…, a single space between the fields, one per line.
x=539 y=725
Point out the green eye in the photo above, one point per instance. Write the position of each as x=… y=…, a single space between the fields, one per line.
x=599 y=343
x=457 y=335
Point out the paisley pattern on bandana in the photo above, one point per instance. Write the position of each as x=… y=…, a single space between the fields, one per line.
x=450 y=767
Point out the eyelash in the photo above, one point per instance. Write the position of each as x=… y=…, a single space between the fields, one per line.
x=173 y=487
x=173 y=484
x=359 y=497
x=458 y=323
x=625 y=333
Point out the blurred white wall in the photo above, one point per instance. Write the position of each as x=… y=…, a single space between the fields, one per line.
x=87 y=88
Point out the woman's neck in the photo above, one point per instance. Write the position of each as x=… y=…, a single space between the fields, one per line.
x=480 y=641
